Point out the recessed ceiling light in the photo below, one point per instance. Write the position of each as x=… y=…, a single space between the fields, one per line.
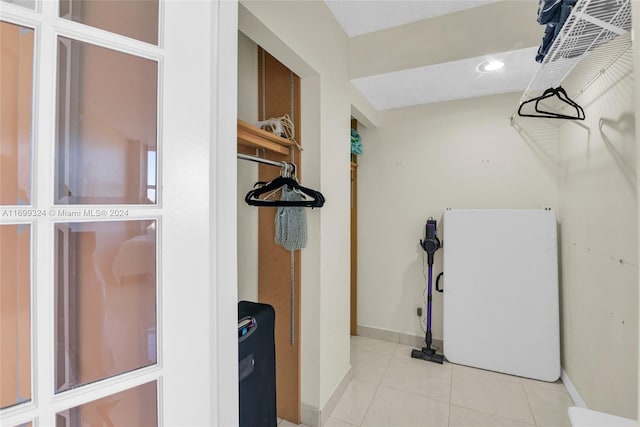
x=488 y=66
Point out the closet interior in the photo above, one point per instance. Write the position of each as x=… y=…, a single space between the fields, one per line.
x=353 y=325
x=278 y=270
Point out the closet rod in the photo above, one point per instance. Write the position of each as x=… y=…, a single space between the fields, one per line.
x=261 y=160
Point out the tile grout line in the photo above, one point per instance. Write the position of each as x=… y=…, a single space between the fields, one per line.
x=495 y=413
x=378 y=387
x=369 y=406
x=386 y=370
x=376 y=384
x=526 y=395
x=450 y=398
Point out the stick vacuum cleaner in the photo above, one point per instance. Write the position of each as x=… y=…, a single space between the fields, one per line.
x=430 y=244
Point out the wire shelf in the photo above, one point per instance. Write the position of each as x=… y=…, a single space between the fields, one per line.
x=591 y=25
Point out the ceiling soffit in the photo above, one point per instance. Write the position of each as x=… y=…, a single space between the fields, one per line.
x=496 y=27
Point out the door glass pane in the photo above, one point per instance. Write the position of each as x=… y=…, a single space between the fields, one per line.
x=106 y=125
x=137 y=19
x=15 y=314
x=31 y=4
x=105 y=282
x=16 y=87
x=134 y=407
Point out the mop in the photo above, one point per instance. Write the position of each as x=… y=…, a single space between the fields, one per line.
x=291 y=222
x=291 y=234
x=430 y=245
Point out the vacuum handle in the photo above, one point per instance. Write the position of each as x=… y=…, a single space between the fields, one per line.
x=431 y=243
x=438 y=288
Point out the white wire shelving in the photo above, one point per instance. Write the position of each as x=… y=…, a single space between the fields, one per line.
x=591 y=26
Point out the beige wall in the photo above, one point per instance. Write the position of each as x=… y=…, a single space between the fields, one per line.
x=599 y=244
x=422 y=160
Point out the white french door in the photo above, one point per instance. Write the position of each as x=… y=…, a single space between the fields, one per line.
x=117 y=213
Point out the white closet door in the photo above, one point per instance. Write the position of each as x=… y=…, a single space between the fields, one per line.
x=501 y=291
x=117 y=213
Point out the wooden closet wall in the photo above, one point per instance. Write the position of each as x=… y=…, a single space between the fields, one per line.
x=354 y=239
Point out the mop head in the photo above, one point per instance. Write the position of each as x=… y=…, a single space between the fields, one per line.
x=291 y=222
x=427 y=354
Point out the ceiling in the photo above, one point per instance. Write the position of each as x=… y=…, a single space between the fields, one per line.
x=361 y=17
x=405 y=53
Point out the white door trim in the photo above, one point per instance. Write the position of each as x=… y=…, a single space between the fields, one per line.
x=224 y=198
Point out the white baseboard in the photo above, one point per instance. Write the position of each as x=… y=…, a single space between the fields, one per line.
x=309 y=415
x=573 y=391
x=335 y=397
x=314 y=417
x=396 y=337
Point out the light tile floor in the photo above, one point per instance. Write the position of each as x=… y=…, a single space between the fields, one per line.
x=390 y=389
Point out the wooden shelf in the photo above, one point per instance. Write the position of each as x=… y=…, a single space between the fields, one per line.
x=253 y=137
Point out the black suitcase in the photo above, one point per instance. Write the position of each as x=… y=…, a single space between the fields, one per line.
x=257 y=364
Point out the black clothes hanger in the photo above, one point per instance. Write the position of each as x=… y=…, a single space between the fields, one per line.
x=315 y=198
x=560 y=94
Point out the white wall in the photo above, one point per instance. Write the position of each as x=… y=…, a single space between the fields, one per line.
x=247 y=79
x=422 y=160
x=599 y=244
x=635 y=8
x=288 y=31
x=247 y=172
x=223 y=310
